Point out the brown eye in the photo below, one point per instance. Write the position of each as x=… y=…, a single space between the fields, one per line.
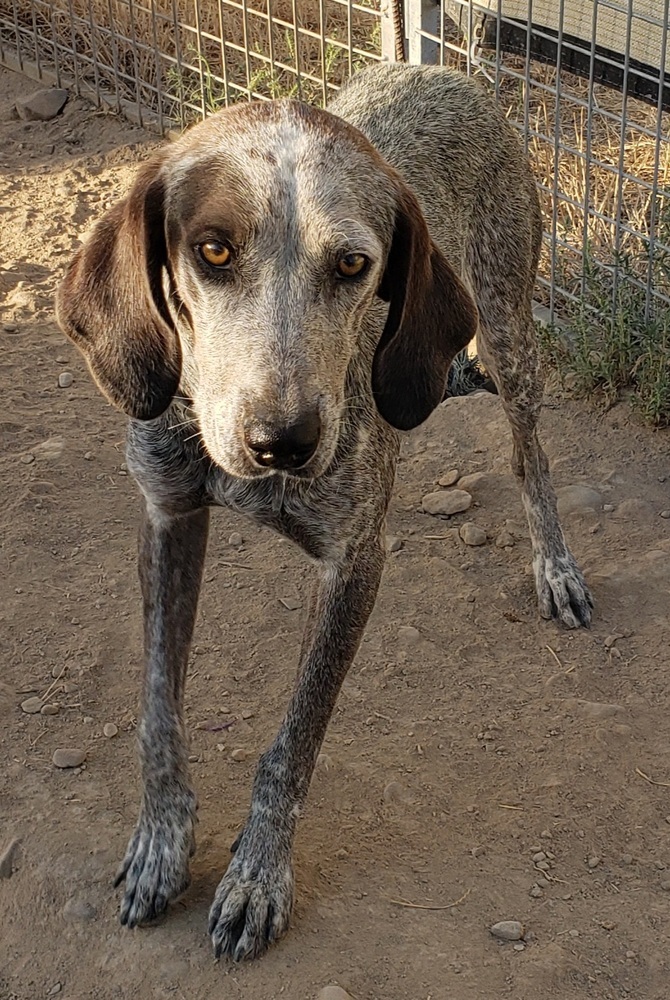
x=215 y=253
x=351 y=265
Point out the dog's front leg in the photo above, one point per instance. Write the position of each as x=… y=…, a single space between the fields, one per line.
x=156 y=865
x=253 y=902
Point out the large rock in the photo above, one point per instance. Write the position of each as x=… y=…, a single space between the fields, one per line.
x=43 y=105
x=446 y=502
x=572 y=498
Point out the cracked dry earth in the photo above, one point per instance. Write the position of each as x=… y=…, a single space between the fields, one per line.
x=471 y=737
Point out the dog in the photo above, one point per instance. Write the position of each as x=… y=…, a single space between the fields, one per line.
x=282 y=293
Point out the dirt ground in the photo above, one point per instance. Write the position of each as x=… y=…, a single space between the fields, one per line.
x=470 y=735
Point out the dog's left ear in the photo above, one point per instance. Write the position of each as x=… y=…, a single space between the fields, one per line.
x=431 y=317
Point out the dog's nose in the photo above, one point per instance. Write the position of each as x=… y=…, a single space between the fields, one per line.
x=283 y=446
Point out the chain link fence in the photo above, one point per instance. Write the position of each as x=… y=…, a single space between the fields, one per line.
x=585 y=81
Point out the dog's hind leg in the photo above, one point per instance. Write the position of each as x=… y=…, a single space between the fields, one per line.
x=508 y=349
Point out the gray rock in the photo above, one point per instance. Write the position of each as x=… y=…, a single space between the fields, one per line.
x=32 y=705
x=508 y=930
x=235 y=539
x=52 y=709
x=240 y=754
x=65 y=380
x=68 y=758
x=110 y=730
x=333 y=993
x=572 y=498
x=445 y=503
x=593 y=862
x=290 y=603
x=505 y=540
x=8 y=857
x=472 y=534
x=43 y=105
x=539 y=856
x=28 y=458
x=665 y=514
x=394 y=544
x=536 y=892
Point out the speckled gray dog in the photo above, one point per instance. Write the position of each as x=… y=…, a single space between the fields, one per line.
x=281 y=292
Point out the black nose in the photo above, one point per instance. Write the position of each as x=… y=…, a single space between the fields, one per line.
x=283 y=446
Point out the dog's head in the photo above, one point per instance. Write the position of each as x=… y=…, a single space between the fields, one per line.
x=247 y=253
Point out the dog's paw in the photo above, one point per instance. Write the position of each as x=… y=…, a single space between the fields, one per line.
x=562 y=591
x=253 y=903
x=156 y=866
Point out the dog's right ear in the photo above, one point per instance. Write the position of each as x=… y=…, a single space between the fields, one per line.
x=111 y=302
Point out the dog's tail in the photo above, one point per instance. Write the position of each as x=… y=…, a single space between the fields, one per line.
x=467 y=375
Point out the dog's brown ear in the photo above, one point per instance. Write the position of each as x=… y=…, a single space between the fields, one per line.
x=111 y=302
x=431 y=318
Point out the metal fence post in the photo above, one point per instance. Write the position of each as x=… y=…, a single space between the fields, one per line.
x=422 y=16
x=387 y=31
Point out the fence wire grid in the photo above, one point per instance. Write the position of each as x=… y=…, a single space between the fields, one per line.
x=587 y=82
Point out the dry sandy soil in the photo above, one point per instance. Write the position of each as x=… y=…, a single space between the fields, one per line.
x=469 y=736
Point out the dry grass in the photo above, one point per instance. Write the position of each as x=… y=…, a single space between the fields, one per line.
x=169 y=54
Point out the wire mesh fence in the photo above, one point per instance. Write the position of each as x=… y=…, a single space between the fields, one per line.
x=587 y=82
x=177 y=60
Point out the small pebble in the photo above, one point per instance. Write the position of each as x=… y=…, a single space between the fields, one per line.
x=52 y=709
x=626 y=859
x=543 y=883
x=539 y=856
x=546 y=834
x=536 y=892
x=32 y=705
x=235 y=539
x=394 y=544
x=290 y=603
x=519 y=946
x=88 y=719
x=333 y=993
x=240 y=754
x=472 y=534
x=79 y=909
x=247 y=715
x=110 y=730
x=193 y=758
x=65 y=380
x=89 y=456
x=68 y=758
x=478 y=852
x=8 y=857
x=608 y=507
x=573 y=933
x=544 y=866
x=631 y=954
x=508 y=930
x=9 y=327
x=660 y=865
x=55 y=989
x=665 y=886
x=449 y=478
x=408 y=635
x=504 y=540
x=665 y=514
x=593 y=862
x=28 y=458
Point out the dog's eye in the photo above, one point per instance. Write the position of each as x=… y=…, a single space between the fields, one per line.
x=215 y=254
x=351 y=265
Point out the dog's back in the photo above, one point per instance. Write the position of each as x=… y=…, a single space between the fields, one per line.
x=452 y=144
